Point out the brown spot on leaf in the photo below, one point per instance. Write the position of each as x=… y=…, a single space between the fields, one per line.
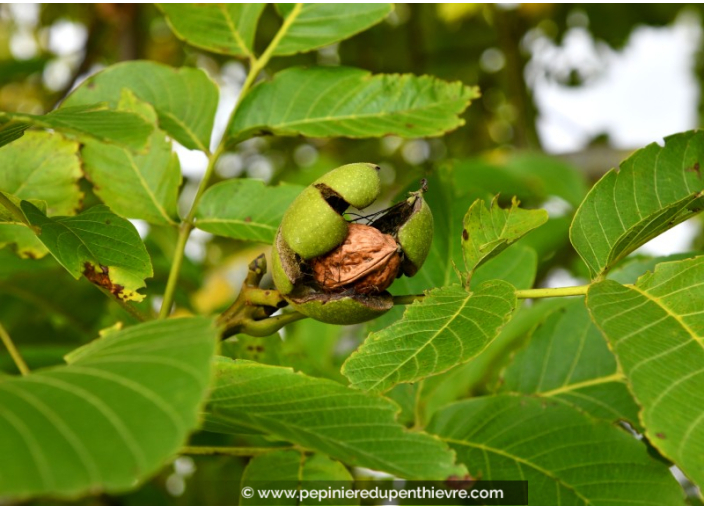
x=248 y=219
x=102 y=279
x=660 y=435
x=457 y=483
x=465 y=234
x=695 y=168
x=91 y=85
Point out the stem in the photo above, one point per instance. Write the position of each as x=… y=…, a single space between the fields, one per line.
x=14 y=353
x=579 y=290
x=235 y=451
x=266 y=327
x=257 y=64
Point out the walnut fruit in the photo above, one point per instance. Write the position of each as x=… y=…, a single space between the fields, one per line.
x=367 y=260
x=336 y=271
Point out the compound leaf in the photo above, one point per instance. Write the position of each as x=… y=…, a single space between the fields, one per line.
x=567 y=457
x=655 y=189
x=245 y=209
x=185 y=98
x=98 y=244
x=221 y=28
x=655 y=329
x=350 y=102
x=325 y=416
x=487 y=232
x=109 y=419
x=450 y=326
x=568 y=360
x=311 y=26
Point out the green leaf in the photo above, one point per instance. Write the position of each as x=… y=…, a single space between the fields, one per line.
x=98 y=244
x=517 y=265
x=43 y=166
x=286 y=469
x=95 y=122
x=655 y=189
x=532 y=177
x=567 y=457
x=450 y=326
x=654 y=328
x=25 y=242
x=6 y=212
x=316 y=25
x=637 y=265
x=322 y=415
x=221 y=28
x=568 y=360
x=245 y=209
x=350 y=102
x=185 y=98
x=136 y=185
x=487 y=232
x=112 y=417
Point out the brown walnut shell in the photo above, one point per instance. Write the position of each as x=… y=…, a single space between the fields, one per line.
x=367 y=261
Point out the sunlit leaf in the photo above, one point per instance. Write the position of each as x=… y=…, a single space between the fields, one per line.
x=109 y=419
x=325 y=416
x=136 y=185
x=654 y=189
x=43 y=166
x=655 y=329
x=567 y=457
x=449 y=327
x=314 y=25
x=221 y=28
x=350 y=102
x=185 y=98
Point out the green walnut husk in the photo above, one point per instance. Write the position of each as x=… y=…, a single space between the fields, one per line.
x=314 y=225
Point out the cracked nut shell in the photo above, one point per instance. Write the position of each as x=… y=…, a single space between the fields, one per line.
x=337 y=272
